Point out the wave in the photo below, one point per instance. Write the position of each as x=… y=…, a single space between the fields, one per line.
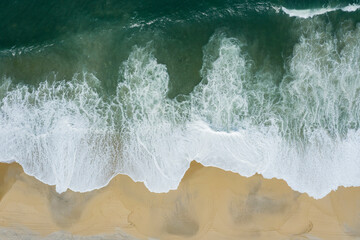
x=57 y=133
x=309 y=13
x=305 y=130
x=233 y=11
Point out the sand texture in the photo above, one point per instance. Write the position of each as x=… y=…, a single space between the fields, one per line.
x=209 y=204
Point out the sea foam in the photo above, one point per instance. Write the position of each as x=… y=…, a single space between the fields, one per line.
x=57 y=133
x=309 y=13
x=238 y=118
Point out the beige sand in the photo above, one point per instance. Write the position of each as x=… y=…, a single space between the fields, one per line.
x=209 y=204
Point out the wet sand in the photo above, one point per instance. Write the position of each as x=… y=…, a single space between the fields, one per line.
x=209 y=204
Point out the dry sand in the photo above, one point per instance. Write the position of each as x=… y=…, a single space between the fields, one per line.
x=209 y=204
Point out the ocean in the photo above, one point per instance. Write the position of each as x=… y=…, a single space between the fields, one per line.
x=92 y=89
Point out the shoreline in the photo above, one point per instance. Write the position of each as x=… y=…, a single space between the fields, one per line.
x=209 y=203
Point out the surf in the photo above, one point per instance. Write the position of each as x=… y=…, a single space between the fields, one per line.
x=300 y=125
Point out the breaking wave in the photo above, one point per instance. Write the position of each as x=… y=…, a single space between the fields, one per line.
x=309 y=13
x=304 y=130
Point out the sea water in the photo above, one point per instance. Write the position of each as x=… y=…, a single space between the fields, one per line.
x=92 y=89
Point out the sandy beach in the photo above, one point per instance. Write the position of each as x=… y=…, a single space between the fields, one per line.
x=209 y=204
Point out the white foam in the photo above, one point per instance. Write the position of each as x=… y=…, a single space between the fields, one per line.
x=57 y=133
x=65 y=134
x=219 y=99
x=309 y=13
x=351 y=8
x=154 y=146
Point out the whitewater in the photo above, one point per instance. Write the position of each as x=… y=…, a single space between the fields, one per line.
x=303 y=128
x=309 y=13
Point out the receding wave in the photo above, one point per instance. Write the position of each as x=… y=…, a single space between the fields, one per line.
x=238 y=118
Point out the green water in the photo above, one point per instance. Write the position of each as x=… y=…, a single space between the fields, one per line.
x=64 y=37
x=90 y=89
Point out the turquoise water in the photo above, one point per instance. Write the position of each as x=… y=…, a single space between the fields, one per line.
x=91 y=89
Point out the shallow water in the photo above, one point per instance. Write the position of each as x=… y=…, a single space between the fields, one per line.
x=91 y=89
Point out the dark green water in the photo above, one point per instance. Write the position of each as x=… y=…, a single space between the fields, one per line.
x=65 y=37
x=89 y=89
